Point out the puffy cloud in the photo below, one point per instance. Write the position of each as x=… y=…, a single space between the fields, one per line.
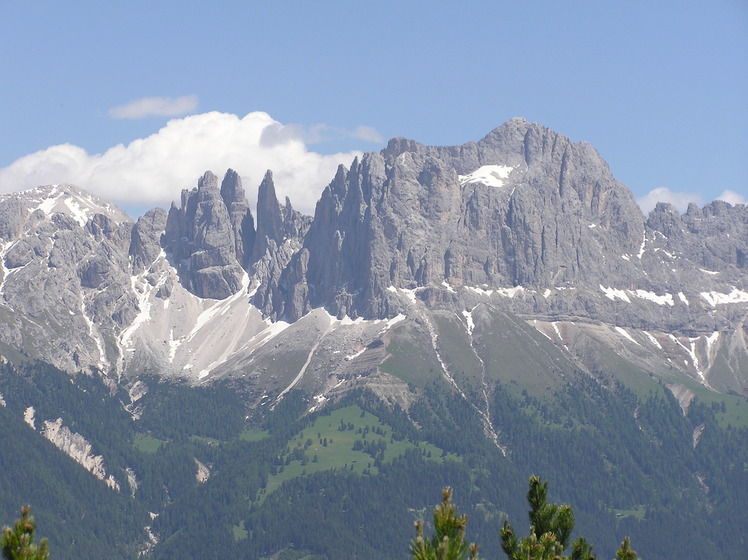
x=153 y=170
x=682 y=200
x=732 y=197
x=155 y=106
x=663 y=194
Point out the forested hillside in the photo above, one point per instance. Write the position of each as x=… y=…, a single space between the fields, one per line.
x=355 y=475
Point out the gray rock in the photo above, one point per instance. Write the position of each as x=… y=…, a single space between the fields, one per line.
x=242 y=221
x=145 y=242
x=279 y=238
x=402 y=218
x=200 y=237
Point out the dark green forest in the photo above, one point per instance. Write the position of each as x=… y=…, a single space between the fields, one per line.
x=351 y=479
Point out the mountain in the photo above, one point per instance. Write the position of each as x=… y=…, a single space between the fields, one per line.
x=505 y=287
x=523 y=220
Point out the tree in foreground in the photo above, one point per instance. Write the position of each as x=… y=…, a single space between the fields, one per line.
x=550 y=530
x=448 y=541
x=18 y=543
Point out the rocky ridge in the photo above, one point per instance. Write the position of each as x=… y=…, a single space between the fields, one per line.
x=523 y=221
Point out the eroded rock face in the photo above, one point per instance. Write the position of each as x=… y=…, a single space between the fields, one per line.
x=524 y=220
x=64 y=285
x=78 y=448
x=202 y=239
x=712 y=237
x=279 y=239
x=414 y=216
x=145 y=244
x=242 y=222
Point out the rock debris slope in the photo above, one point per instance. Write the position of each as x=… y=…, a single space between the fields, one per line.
x=523 y=224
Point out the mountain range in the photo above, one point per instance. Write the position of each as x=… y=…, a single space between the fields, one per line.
x=514 y=263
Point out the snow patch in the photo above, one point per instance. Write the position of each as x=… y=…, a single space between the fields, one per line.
x=394 y=321
x=624 y=333
x=641 y=249
x=139 y=288
x=411 y=294
x=735 y=296
x=351 y=357
x=70 y=201
x=489 y=175
x=93 y=332
x=510 y=292
x=682 y=297
x=667 y=299
x=653 y=340
x=558 y=332
x=481 y=291
x=346 y=321
x=505 y=292
x=4 y=272
x=711 y=344
x=710 y=272
x=612 y=294
x=469 y=321
x=691 y=351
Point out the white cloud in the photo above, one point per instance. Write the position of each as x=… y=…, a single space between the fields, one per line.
x=320 y=133
x=153 y=170
x=367 y=134
x=681 y=200
x=663 y=194
x=155 y=106
x=732 y=197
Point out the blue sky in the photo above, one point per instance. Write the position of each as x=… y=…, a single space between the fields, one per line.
x=133 y=100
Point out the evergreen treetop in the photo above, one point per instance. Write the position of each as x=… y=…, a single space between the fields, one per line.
x=18 y=543
x=551 y=526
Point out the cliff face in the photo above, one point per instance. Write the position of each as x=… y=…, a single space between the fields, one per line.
x=523 y=220
x=203 y=238
x=522 y=207
x=78 y=448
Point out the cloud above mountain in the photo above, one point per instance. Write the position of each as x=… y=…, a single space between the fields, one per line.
x=153 y=170
x=732 y=197
x=681 y=200
x=155 y=106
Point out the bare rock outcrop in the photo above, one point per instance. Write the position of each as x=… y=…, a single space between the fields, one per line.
x=201 y=239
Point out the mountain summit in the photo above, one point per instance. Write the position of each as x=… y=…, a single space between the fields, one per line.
x=523 y=222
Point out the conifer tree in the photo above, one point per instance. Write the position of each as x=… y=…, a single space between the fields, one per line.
x=18 y=543
x=448 y=541
x=625 y=552
x=550 y=530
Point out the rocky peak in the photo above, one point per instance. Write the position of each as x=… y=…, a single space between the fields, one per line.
x=242 y=222
x=145 y=239
x=280 y=234
x=714 y=237
x=201 y=238
x=270 y=226
x=523 y=206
